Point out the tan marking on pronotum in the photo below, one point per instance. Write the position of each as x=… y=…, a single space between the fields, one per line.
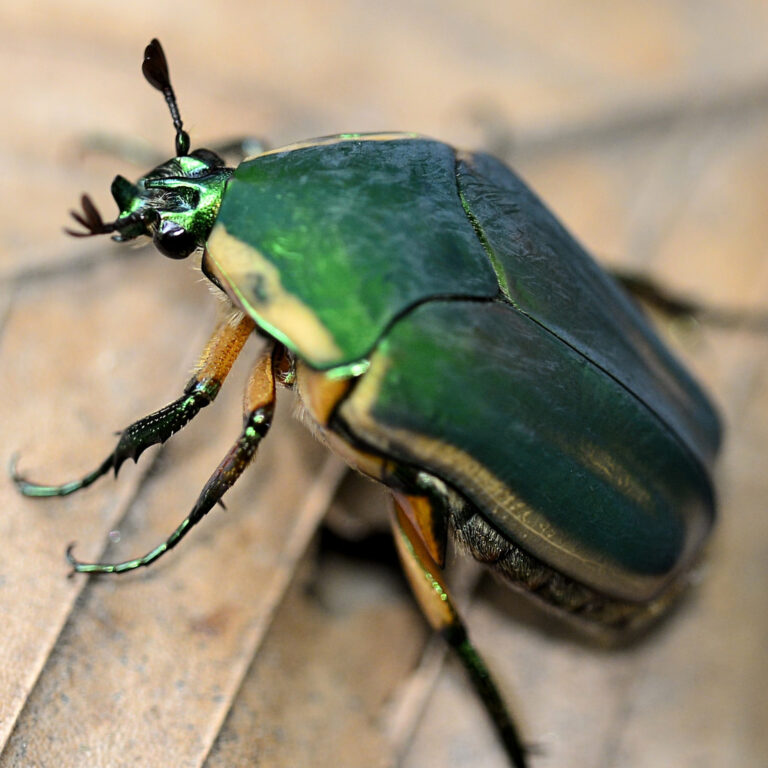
x=279 y=313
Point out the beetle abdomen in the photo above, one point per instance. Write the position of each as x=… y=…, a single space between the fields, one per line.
x=533 y=576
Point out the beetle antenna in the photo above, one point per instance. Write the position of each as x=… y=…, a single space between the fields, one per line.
x=155 y=69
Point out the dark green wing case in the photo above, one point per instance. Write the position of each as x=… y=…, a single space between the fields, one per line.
x=552 y=451
x=359 y=230
x=553 y=280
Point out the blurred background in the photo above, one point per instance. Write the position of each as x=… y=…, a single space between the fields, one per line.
x=260 y=642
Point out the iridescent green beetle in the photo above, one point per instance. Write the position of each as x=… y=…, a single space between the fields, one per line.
x=451 y=340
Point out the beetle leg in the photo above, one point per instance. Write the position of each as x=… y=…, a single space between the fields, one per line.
x=259 y=406
x=212 y=368
x=647 y=291
x=420 y=536
x=426 y=580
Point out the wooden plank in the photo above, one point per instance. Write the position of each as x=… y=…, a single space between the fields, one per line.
x=72 y=375
x=642 y=129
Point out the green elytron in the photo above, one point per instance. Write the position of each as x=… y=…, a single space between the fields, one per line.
x=451 y=340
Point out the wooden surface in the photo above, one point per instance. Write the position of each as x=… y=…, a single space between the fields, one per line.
x=644 y=125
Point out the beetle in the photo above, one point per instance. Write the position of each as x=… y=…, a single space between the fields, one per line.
x=448 y=338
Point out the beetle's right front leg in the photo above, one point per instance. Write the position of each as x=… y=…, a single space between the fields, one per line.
x=212 y=368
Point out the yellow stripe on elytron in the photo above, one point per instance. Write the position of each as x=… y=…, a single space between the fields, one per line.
x=327 y=140
x=532 y=531
x=280 y=314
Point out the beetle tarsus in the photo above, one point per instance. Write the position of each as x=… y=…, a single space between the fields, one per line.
x=71 y=559
x=40 y=490
x=215 y=363
x=229 y=470
x=134 y=440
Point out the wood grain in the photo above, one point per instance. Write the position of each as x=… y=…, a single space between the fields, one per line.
x=643 y=125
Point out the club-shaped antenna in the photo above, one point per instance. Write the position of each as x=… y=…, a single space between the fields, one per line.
x=155 y=69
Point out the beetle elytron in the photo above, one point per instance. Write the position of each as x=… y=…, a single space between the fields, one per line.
x=449 y=339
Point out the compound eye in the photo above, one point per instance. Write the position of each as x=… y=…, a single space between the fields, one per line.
x=173 y=241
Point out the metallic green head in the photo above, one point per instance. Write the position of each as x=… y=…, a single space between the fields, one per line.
x=177 y=202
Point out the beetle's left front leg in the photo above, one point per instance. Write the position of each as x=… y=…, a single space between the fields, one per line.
x=422 y=554
x=259 y=406
x=212 y=368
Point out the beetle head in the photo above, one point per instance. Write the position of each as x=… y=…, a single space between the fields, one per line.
x=176 y=203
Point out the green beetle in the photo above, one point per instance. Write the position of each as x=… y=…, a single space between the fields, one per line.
x=448 y=338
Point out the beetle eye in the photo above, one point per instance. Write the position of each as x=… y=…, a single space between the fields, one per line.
x=174 y=241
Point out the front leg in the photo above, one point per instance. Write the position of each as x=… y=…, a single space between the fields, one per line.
x=259 y=405
x=212 y=368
